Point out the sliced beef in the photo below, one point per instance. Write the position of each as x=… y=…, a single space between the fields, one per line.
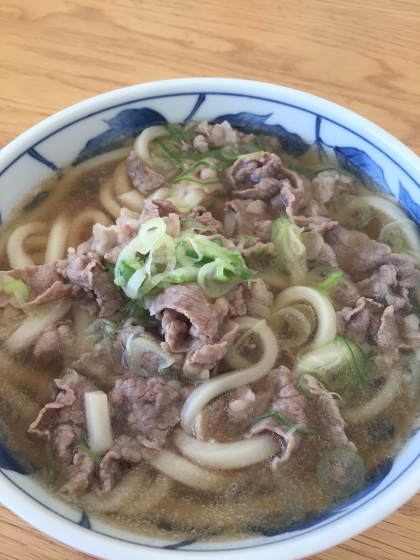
x=212 y=225
x=108 y=241
x=124 y=450
x=192 y=325
x=252 y=217
x=291 y=403
x=410 y=330
x=357 y=254
x=318 y=224
x=235 y=299
x=383 y=286
x=87 y=274
x=362 y=320
x=331 y=421
x=188 y=299
x=289 y=400
x=390 y=284
x=79 y=474
x=64 y=437
x=143 y=178
x=327 y=185
x=258 y=299
x=388 y=333
x=292 y=197
x=103 y=364
x=54 y=342
x=45 y=284
x=209 y=354
x=210 y=136
x=47 y=344
x=150 y=405
x=68 y=406
x=250 y=248
x=326 y=257
x=241 y=403
x=345 y=293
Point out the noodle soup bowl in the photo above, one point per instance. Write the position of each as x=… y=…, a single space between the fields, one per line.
x=303 y=122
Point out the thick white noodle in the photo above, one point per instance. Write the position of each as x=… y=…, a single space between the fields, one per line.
x=409 y=230
x=78 y=225
x=246 y=324
x=141 y=144
x=132 y=200
x=35 y=242
x=133 y=494
x=160 y=194
x=122 y=183
x=18 y=258
x=108 y=201
x=98 y=421
x=232 y=455
x=194 y=198
x=82 y=319
x=376 y=405
x=203 y=394
x=34 y=324
x=275 y=280
x=56 y=245
x=327 y=322
x=385 y=206
x=187 y=473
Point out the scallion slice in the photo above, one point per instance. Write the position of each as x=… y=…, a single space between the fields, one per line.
x=340 y=472
x=352 y=210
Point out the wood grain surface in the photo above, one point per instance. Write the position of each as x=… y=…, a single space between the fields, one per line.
x=363 y=54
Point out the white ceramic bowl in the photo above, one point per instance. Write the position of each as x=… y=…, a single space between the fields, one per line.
x=302 y=120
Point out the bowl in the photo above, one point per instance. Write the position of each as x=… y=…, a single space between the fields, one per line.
x=302 y=121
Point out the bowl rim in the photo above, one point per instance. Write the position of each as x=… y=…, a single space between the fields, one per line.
x=321 y=537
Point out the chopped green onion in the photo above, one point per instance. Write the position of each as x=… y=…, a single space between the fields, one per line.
x=191 y=225
x=307 y=395
x=352 y=210
x=363 y=367
x=168 y=152
x=185 y=175
x=183 y=275
x=133 y=309
x=126 y=271
x=291 y=252
x=340 y=472
x=175 y=130
x=313 y=243
x=17 y=288
x=182 y=206
x=279 y=416
x=110 y=267
x=252 y=154
x=212 y=280
x=261 y=139
x=85 y=449
x=137 y=357
x=229 y=153
x=323 y=278
x=217 y=241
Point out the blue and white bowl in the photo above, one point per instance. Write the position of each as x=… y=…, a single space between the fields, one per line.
x=302 y=121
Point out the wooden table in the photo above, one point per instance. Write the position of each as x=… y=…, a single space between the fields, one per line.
x=363 y=54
